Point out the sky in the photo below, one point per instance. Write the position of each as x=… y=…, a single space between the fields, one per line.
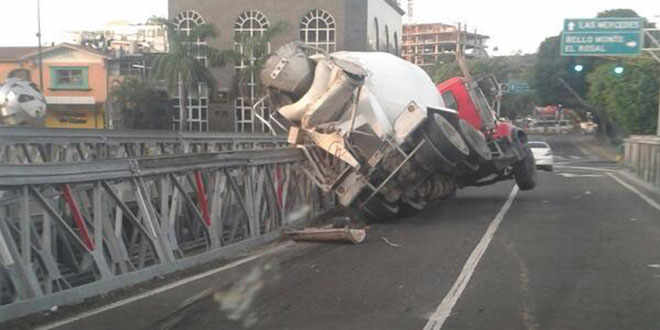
x=512 y=25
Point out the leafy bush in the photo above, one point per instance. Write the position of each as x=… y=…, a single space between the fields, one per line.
x=142 y=105
x=629 y=99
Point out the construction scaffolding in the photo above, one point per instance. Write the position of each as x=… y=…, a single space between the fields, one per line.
x=425 y=44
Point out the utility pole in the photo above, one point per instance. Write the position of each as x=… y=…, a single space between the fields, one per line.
x=41 y=68
x=460 y=53
x=653 y=53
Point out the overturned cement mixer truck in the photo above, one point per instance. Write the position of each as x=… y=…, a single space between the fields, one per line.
x=380 y=135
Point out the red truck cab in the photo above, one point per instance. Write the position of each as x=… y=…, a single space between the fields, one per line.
x=507 y=143
x=472 y=106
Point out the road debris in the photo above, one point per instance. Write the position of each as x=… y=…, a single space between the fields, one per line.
x=354 y=236
x=390 y=243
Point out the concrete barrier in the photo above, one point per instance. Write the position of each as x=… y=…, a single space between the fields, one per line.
x=642 y=156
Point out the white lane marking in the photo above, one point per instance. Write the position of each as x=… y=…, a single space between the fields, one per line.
x=575 y=157
x=572 y=175
x=584 y=168
x=654 y=266
x=438 y=318
x=647 y=199
x=164 y=288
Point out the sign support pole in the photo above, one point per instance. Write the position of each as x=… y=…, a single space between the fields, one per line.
x=651 y=51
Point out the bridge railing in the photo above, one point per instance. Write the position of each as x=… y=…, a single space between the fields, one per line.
x=74 y=230
x=44 y=145
x=642 y=156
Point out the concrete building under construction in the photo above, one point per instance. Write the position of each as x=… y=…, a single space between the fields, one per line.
x=424 y=44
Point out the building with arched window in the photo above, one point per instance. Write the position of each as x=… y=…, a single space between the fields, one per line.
x=319 y=29
x=197 y=101
x=326 y=25
x=249 y=24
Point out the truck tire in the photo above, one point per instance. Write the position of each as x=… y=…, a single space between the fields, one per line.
x=476 y=141
x=445 y=138
x=378 y=210
x=524 y=171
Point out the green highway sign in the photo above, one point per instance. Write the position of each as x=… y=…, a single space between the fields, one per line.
x=602 y=36
x=516 y=87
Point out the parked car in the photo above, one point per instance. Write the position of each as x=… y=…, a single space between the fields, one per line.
x=542 y=154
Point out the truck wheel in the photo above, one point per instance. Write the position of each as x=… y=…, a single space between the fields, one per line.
x=479 y=150
x=445 y=138
x=524 y=171
x=378 y=210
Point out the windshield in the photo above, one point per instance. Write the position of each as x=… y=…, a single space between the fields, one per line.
x=484 y=108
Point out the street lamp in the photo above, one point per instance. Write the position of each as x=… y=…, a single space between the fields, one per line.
x=41 y=73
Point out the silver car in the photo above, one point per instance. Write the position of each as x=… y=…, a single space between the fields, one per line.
x=542 y=154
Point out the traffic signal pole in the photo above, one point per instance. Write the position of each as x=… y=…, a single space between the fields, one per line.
x=652 y=51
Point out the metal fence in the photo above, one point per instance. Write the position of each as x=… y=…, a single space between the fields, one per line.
x=43 y=145
x=73 y=230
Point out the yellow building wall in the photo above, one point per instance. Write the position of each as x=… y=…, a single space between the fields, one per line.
x=75 y=118
x=69 y=116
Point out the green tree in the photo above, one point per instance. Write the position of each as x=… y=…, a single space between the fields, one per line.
x=142 y=106
x=550 y=67
x=517 y=105
x=630 y=100
x=505 y=69
x=518 y=67
x=180 y=67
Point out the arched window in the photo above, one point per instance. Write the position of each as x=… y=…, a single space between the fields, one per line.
x=396 y=44
x=318 y=29
x=187 y=20
x=196 y=118
x=249 y=24
x=377 y=34
x=387 y=38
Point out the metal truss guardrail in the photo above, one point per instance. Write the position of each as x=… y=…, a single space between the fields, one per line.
x=71 y=231
x=44 y=145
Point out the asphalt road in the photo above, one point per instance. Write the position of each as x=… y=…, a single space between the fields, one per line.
x=579 y=252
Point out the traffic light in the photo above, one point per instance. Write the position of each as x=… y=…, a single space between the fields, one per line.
x=618 y=69
x=575 y=65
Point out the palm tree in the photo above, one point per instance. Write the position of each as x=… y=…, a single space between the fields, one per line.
x=180 y=67
x=141 y=105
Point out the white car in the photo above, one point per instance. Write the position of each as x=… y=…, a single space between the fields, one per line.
x=542 y=154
